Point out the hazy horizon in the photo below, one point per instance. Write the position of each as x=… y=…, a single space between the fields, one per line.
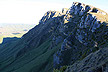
x=31 y=11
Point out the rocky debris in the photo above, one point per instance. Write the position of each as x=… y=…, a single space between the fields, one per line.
x=94 y=62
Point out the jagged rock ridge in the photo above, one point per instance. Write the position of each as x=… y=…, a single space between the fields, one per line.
x=60 y=39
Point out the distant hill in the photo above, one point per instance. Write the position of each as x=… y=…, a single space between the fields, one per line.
x=14 y=30
x=9 y=39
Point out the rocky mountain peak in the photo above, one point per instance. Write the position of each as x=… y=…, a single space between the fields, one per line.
x=70 y=37
x=81 y=8
x=50 y=14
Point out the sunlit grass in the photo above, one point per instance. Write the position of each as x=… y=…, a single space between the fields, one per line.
x=1 y=39
x=101 y=15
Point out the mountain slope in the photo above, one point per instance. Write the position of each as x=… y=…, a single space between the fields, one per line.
x=94 y=62
x=58 y=41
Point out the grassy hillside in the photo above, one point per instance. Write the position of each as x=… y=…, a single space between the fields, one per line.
x=39 y=59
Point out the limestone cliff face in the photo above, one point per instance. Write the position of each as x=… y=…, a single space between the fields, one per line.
x=85 y=33
x=60 y=39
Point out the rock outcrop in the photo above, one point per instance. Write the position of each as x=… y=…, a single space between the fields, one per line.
x=94 y=62
x=88 y=34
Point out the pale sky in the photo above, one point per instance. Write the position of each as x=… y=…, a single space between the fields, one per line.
x=31 y=11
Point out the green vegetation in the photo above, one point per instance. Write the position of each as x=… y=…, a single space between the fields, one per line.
x=62 y=69
x=95 y=49
x=83 y=55
x=36 y=60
